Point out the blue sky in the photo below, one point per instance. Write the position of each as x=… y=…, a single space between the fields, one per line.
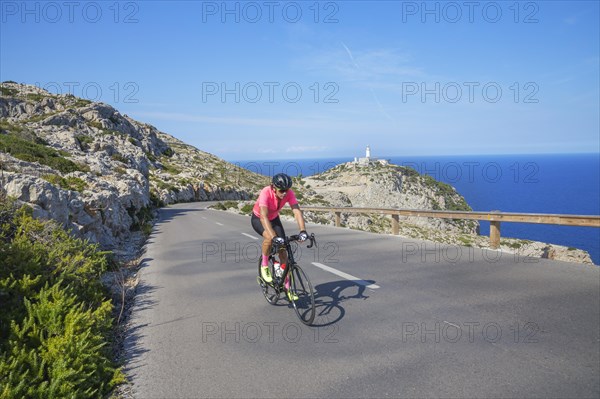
x=288 y=80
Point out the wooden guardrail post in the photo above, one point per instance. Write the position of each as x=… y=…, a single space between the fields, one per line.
x=494 y=234
x=395 y=224
x=338 y=219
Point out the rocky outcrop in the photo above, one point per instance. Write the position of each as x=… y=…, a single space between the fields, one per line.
x=99 y=172
x=377 y=185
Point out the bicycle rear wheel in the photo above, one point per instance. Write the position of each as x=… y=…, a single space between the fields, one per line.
x=305 y=304
x=271 y=295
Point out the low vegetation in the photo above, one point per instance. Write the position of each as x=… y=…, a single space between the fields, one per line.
x=68 y=183
x=24 y=145
x=56 y=318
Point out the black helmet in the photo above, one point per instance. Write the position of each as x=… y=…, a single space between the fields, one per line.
x=282 y=181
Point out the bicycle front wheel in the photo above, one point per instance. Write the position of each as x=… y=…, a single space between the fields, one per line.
x=305 y=304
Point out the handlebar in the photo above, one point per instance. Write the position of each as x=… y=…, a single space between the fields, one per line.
x=311 y=238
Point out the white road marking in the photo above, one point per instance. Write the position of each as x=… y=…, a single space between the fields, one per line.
x=248 y=235
x=220 y=224
x=346 y=276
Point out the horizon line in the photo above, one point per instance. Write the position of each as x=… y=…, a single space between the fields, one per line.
x=387 y=157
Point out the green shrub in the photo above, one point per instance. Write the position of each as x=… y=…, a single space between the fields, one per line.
x=7 y=91
x=147 y=229
x=70 y=183
x=247 y=209
x=155 y=200
x=219 y=206
x=230 y=204
x=31 y=151
x=141 y=219
x=55 y=318
x=59 y=349
x=80 y=102
x=173 y=170
x=95 y=124
x=150 y=157
x=84 y=142
x=35 y=97
x=120 y=158
x=41 y=117
x=119 y=171
x=7 y=127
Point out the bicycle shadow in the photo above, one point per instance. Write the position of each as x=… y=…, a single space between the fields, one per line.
x=329 y=297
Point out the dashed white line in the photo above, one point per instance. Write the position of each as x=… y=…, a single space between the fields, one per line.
x=248 y=235
x=346 y=276
x=220 y=224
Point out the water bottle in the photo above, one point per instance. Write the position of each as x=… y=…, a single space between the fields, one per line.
x=278 y=269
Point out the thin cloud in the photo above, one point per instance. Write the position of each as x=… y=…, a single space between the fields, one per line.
x=375 y=98
x=297 y=149
x=237 y=121
x=350 y=55
x=372 y=65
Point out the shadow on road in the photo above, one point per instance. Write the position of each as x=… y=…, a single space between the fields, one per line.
x=168 y=214
x=133 y=347
x=329 y=297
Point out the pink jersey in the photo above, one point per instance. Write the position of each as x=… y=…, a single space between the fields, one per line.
x=268 y=198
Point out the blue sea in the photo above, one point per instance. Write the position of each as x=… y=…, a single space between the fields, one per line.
x=556 y=183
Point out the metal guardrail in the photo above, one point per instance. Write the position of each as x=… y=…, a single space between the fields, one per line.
x=494 y=217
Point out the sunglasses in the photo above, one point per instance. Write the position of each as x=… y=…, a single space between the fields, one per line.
x=282 y=191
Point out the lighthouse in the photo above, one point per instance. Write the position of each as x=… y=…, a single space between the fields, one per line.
x=367 y=160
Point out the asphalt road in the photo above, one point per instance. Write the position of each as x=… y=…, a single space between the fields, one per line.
x=413 y=319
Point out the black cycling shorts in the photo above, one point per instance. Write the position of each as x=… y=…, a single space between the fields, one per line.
x=276 y=223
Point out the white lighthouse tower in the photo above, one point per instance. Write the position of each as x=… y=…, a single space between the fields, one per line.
x=367 y=160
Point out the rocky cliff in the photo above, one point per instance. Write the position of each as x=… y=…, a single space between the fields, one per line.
x=378 y=185
x=100 y=173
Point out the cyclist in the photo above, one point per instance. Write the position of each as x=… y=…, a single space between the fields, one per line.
x=266 y=222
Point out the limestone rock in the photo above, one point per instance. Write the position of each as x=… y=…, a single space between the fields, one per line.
x=388 y=186
x=113 y=170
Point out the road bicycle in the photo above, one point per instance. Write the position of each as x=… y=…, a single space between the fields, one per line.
x=304 y=299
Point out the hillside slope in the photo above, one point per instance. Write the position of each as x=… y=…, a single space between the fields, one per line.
x=378 y=185
x=100 y=173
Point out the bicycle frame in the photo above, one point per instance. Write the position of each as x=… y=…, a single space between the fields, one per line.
x=278 y=282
